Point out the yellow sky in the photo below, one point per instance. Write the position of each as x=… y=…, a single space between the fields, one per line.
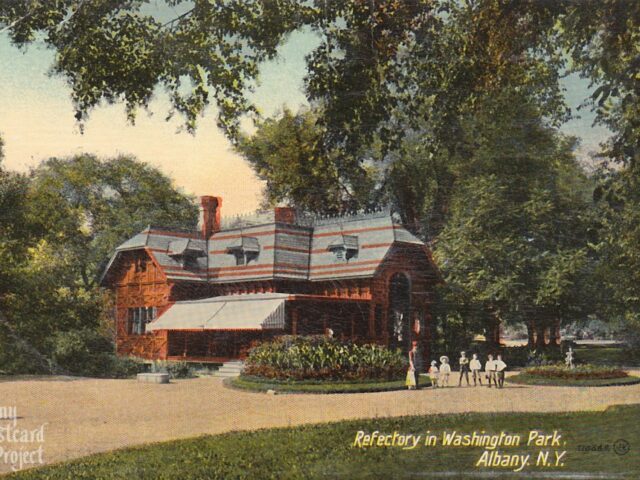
x=200 y=164
x=37 y=122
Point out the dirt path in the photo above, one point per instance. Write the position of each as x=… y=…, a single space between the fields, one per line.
x=84 y=416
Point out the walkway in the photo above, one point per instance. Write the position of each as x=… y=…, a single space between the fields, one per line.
x=85 y=416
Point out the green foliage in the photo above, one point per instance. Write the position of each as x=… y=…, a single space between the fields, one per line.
x=58 y=228
x=86 y=352
x=318 y=451
x=578 y=372
x=86 y=207
x=318 y=357
x=515 y=245
x=288 y=154
x=114 y=51
x=260 y=384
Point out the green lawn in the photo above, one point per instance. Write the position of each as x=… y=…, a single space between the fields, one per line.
x=327 y=451
x=256 y=384
x=607 y=355
x=527 y=379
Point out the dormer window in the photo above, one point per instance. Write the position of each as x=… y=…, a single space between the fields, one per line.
x=245 y=250
x=187 y=252
x=345 y=247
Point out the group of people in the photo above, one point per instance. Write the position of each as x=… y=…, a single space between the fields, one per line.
x=494 y=370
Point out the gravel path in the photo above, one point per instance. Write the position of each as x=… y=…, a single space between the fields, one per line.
x=84 y=416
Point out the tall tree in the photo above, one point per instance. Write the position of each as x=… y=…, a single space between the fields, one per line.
x=88 y=206
x=288 y=153
x=516 y=241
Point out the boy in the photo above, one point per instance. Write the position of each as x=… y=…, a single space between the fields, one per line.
x=445 y=370
x=464 y=368
x=500 y=367
x=433 y=373
x=476 y=366
x=490 y=370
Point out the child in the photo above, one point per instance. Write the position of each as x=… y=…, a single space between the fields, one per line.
x=500 y=368
x=490 y=370
x=433 y=373
x=476 y=366
x=445 y=371
x=464 y=368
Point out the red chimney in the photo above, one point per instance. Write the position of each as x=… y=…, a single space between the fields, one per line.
x=209 y=221
x=285 y=215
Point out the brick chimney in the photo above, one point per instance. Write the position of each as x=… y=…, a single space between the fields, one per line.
x=209 y=221
x=285 y=215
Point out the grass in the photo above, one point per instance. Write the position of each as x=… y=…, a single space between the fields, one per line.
x=327 y=451
x=607 y=355
x=528 y=379
x=257 y=384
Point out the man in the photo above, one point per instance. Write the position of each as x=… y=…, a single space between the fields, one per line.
x=475 y=367
x=490 y=370
x=500 y=369
x=464 y=368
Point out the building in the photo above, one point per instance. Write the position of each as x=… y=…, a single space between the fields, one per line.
x=208 y=295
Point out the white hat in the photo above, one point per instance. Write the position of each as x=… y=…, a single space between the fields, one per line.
x=443 y=358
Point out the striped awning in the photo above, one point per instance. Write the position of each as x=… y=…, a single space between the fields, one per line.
x=259 y=311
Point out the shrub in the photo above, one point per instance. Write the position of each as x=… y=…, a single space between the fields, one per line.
x=319 y=357
x=85 y=352
x=576 y=373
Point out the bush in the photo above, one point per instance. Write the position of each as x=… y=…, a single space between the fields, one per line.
x=87 y=353
x=174 y=369
x=319 y=357
x=576 y=373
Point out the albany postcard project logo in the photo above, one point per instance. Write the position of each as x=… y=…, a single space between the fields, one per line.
x=19 y=447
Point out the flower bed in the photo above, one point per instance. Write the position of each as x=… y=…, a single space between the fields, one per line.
x=580 y=376
x=577 y=373
x=319 y=357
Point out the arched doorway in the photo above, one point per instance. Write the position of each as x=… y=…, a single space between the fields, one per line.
x=399 y=324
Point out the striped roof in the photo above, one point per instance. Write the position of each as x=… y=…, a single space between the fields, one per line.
x=306 y=251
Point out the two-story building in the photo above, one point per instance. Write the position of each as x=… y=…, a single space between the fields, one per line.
x=208 y=295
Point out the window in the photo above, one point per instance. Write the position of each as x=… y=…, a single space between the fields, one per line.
x=245 y=250
x=138 y=318
x=345 y=247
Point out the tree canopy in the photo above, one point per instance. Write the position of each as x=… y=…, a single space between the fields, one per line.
x=60 y=224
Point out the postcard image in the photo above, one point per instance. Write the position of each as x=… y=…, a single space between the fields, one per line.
x=272 y=239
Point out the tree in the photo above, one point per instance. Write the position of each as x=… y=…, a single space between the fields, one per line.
x=516 y=240
x=71 y=214
x=87 y=207
x=618 y=230
x=113 y=51
x=287 y=153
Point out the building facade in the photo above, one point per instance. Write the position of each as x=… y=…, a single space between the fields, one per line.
x=209 y=295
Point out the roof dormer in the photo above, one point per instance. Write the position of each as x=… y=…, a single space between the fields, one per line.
x=245 y=249
x=186 y=251
x=345 y=247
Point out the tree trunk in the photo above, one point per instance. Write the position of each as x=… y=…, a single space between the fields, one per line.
x=531 y=334
x=540 y=343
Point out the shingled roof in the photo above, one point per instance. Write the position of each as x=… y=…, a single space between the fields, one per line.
x=308 y=249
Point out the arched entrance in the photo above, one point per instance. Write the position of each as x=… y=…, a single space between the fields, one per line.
x=399 y=324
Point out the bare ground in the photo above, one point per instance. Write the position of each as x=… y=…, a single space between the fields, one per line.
x=85 y=416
